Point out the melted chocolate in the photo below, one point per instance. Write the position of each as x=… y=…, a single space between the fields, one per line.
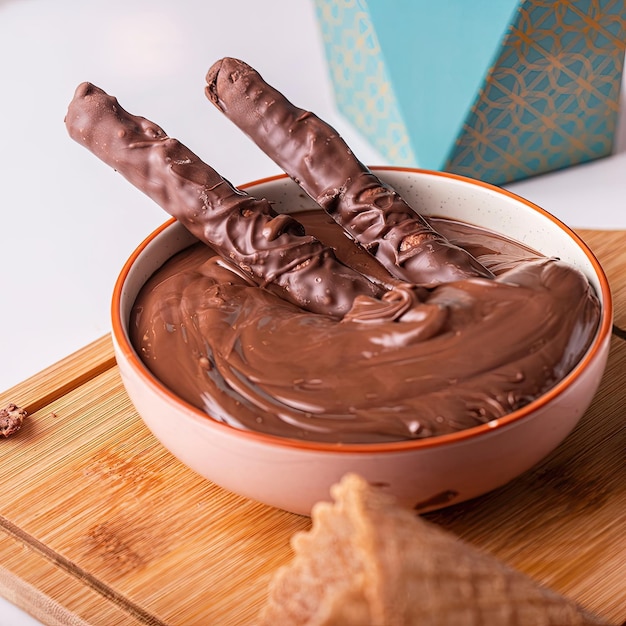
x=412 y=364
x=319 y=160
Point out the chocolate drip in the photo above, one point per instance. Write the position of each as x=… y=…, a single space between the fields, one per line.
x=272 y=249
x=318 y=159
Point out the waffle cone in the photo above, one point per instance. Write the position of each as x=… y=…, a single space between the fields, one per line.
x=368 y=562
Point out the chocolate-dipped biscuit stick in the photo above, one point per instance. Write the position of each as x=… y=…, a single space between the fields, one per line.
x=270 y=248
x=316 y=157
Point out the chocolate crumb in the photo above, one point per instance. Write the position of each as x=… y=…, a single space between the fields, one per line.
x=11 y=418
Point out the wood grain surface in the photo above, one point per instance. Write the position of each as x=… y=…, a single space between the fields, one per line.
x=100 y=525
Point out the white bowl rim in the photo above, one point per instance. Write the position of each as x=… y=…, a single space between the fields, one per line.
x=603 y=334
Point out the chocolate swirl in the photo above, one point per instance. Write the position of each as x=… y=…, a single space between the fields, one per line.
x=413 y=364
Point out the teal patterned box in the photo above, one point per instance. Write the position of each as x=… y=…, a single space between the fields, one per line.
x=498 y=90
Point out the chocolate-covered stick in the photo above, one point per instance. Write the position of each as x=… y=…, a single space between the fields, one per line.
x=316 y=157
x=272 y=249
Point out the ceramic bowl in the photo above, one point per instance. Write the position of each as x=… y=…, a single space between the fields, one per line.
x=426 y=473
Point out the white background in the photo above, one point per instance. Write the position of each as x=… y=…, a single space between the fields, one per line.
x=69 y=222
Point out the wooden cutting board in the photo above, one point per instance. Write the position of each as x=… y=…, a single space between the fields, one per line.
x=100 y=525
